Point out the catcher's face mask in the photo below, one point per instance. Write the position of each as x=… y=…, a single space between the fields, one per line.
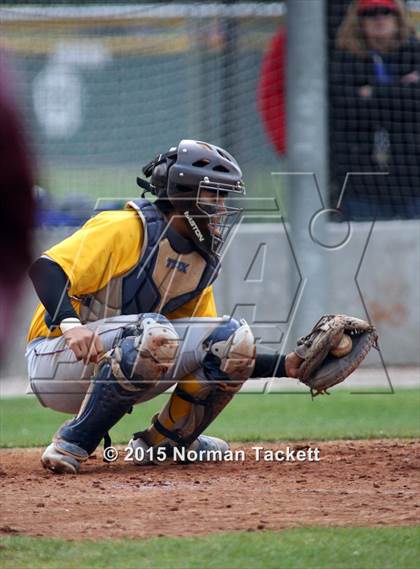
x=216 y=205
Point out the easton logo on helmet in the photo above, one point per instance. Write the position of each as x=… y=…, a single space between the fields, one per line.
x=194 y=226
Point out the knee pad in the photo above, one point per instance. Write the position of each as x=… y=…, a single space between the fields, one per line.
x=229 y=352
x=144 y=356
x=131 y=367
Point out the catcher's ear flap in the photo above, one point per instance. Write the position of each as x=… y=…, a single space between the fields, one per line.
x=167 y=159
x=157 y=169
x=148 y=169
x=150 y=166
x=160 y=176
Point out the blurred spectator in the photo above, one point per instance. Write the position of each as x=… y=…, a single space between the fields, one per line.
x=17 y=205
x=375 y=111
x=73 y=210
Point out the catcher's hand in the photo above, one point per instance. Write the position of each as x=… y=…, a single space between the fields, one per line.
x=333 y=349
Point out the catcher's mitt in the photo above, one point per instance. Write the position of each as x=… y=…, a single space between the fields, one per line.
x=333 y=349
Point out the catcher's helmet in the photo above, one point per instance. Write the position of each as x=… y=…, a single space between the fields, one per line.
x=183 y=175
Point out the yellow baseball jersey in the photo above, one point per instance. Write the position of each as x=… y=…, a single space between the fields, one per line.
x=107 y=246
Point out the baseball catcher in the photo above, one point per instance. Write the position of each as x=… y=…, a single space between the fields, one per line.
x=127 y=310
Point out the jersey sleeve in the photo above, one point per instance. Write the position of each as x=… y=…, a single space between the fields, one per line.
x=107 y=246
x=203 y=305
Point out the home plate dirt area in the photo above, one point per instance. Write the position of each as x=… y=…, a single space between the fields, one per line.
x=355 y=483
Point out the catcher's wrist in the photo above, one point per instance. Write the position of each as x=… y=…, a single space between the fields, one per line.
x=269 y=365
x=69 y=323
x=281 y=367
x=291 y=365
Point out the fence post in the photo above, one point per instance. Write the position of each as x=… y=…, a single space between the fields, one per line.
x=307 y=142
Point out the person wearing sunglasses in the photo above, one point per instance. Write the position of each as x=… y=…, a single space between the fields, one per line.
x=375 y=116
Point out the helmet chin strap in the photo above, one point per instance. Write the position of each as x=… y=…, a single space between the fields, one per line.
x=145 y=186
x=180 y=224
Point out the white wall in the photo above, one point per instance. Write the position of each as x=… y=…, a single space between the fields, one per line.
x=258 y=271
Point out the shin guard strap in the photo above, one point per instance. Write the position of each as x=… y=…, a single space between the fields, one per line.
x=188 y=397
x=173 y=436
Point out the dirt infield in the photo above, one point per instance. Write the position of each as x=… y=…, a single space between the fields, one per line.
x=355 y=483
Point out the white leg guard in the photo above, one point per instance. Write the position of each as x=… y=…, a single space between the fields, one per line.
x=228 y=361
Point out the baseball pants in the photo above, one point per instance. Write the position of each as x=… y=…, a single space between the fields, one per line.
x=60 y=381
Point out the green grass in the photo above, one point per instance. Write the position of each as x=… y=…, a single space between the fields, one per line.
x=309 y=548
x=250 y=417
x=109 y=181
x=120 y=182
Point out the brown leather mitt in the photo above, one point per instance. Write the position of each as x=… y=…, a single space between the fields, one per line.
x=334 y=348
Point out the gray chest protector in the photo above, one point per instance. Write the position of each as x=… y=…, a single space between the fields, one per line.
x=169 y=273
